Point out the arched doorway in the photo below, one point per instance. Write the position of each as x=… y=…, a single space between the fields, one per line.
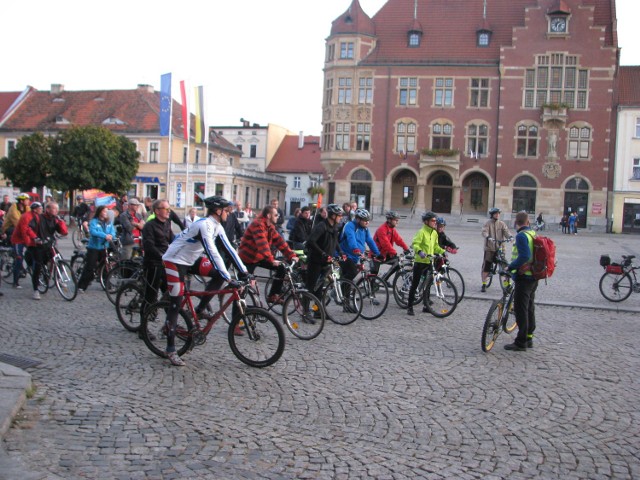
x=361 y=188
x=576 y=199
x=474 y=197
x=403 y=190
x=524 y=194
x=442 y=192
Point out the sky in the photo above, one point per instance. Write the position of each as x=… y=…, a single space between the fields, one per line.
x=256 y=59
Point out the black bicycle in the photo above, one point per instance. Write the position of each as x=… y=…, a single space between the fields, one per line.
x=499 y=260
x=619 y=279
x=500 y=317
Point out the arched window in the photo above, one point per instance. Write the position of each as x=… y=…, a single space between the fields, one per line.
x=524 y=194
x=442 y=179
x=577 y=183
x=406 y=137
x=477 y=140
x=527 y=140
x=361 y=175
x=579 y=142
x=361 y=187
x=441 y=136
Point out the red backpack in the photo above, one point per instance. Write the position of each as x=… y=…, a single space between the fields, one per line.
x=544 y=258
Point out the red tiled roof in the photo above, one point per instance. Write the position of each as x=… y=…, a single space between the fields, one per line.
x=290 y=159
x=629 y=86
x=6 y=100
x=354 y=20
x=450 y=28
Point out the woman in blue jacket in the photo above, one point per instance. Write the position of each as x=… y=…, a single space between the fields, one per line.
x=101 y=233
x=355 y=236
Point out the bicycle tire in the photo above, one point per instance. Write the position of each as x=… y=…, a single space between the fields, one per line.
x=129 y=300
x=338 y=309
x=509 y=318
x=7 y=265
x=153 y=322
x=492 y=326
x=65 y=281
x=43 y=279
x=103 y=270
x=77 y=264
x=615 y=288
x=77 y=237
x=284 y=293
x=263 y=341
x=119 y=274
x=402 y=284
x=456 y=278
x=489 y=279
x=303 y=315
x=375 y=297
x=440 y=307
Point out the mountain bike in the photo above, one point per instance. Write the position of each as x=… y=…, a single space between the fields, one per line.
x=619 y=279
x=80 y=233
x=261 y=345
x=500 y=317
x=499 y=260
x=440 y=297
x=108 y=262
x=56 y=271
x=341 y=299
x=375 y=291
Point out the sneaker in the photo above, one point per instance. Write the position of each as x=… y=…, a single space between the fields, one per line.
x=81 y=290
x=425 y=309
x=175 y=359
x=410 y=311
x=484 y=288
x=1 y=294
x=238 y=331
x=36 y=295
x=515 y=347
x=275 y=299
x=529 y=343
x=17 y=285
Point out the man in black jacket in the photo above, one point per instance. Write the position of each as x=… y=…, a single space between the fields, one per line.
x=301 y=229
x=321 y=247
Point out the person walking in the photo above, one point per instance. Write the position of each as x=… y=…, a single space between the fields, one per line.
x=524 y=293
x=573 y=223
x=101 y=233
x=494 y=229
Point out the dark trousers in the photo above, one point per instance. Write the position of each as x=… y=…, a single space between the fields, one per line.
x=39 y=256
x=418 y=269
x=276 y=286
x=316 y=271
x=93 y=257
x=155 y=279
x=524 y=308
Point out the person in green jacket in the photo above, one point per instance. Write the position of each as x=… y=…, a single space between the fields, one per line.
x=425 y=243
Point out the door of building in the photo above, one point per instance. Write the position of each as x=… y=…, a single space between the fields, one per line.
x=577 y=202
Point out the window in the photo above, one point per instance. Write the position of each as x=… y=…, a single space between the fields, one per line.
x=151 y=190
x=342 y=136
x=636 y=169
x=197 y=156
x=154 y=150
x=296 y=182
x=579 y=142
x=219 y=189
x=477 y=140
x=524 y=194
x=408 y=91
x=326 y=137
x=527 y=141
x=185 y=151
x=441 y=136
x=239 y=147
x=365 y=90
x=444 y=92
x=331 y=51
x=406 y=138
x=483 y=38
x=556 y=79
x=479 y=92
x=637 y=127
x=253 y=151
x=346 y=50
x=328 y=92
x=198 y=194
x=414 y=39
x=11 y=146
x=210 y=159
x=344 y=90
x=363 y=136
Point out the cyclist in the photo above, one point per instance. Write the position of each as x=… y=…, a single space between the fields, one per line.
x=524 y=293
x=495 y=229
x=443 y=240
x=185 y=255
x=81 y=211
x=353 y=240
x=387 y=236
x=301 y=229
x=321 y=247
x=41 y=229
x=11 y=220
x=101 y=233
x=258 y=243
x=425 y=243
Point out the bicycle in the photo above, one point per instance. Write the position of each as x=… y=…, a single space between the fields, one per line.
x=497 y=320
x=499 y=260
x=374 y=289
x=6 y=263
x=109 y=261
x=440 y=297
x=261 y=345
x=56 y=271
x=80 y=233
x=619 y=279
x=341 y=298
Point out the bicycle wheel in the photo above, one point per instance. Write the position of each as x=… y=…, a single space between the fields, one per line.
x=7 y=265
x=128 y=305
x=402 y=285
x=263 y=341
x=440 y=298
x=77 y=264
x=342 y=302
x=43 y=279
x=375 y=297
x=303 y=315
x=276 y=307
x=616 y=288
x=104 y=269
x=118 y=275
x=77 y=237
x=65 y=281
x=492 y=326
x=455 y=277
x=153 y=323
x=509 y=318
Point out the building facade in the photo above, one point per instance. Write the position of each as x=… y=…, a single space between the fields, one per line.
x=506 y=103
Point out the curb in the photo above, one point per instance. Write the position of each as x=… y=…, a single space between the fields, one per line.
x=14 y=384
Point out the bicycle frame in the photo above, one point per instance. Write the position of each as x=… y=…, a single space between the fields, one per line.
x=235 y=296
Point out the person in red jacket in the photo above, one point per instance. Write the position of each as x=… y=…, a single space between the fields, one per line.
x=387 y=236
x=259 y=242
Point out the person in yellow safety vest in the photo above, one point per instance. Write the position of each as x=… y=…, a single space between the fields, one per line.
x=425 y=243
x=524 y=294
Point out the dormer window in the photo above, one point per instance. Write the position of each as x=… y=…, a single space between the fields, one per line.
x=414 y=39
x=484 y=37
x=60 y=120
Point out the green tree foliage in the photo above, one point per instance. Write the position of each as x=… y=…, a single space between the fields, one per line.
x=29 y=163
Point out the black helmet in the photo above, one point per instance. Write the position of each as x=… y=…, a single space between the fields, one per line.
x=334 y=209
x=441 y=221
x=362 y=214
x=217 y=202
x=428 y=216
x=391 y=215
x=493 y=211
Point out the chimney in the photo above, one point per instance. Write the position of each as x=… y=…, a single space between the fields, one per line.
x=145 y=87
x=300 y=140
x=57 y=88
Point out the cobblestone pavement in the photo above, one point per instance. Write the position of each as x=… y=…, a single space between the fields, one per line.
x=396 y=397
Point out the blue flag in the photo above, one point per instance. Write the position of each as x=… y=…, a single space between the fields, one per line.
x=165 y=104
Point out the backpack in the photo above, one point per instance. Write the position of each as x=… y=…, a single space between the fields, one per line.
x=543 y=261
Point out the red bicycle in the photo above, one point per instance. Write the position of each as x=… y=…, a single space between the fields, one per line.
x=261 y=344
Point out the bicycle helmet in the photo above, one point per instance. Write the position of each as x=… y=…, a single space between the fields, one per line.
x=217 y=202
x=334 y=209
x=392 y=215
x=35 y=205
x=441 y=221
x=493 y=211
x=428 y=216
x=363 y=214
x=23 y=196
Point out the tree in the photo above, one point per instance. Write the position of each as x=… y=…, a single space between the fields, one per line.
x=29 y=163
x=93 y=157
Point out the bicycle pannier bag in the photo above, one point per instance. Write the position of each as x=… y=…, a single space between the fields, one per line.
x=614 y=268
x=605 y=260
